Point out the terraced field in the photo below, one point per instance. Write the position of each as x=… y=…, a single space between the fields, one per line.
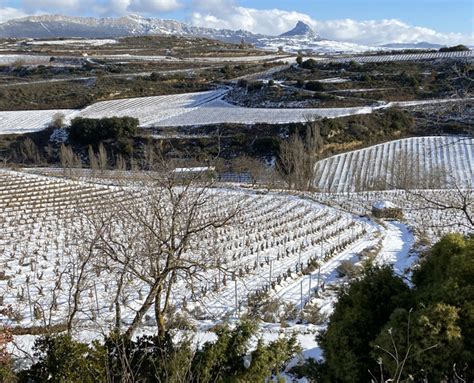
x=45 y=220
x=469 y=55
x=188 y=109
x=413 y=162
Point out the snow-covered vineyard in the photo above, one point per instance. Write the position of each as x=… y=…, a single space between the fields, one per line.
x=406 y=57
x=19 y=122
x=423 y=162
x=422 y=209
x=275 y=241
x=188 y=109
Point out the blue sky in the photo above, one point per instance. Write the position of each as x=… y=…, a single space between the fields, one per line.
x=352 y=20
x=441 y=15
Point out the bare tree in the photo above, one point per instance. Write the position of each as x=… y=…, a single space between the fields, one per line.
x=256 y=169
x=460 y=200
x=157 y=238
x=94 y=165
x=29 y=151
x=68 y=158
x=58 y=121
x=298 y=156
x=102 y=157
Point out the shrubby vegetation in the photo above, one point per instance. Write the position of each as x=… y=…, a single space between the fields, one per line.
x=456 y=48
x=231 y=358
x=382 y=329
x=88 y=131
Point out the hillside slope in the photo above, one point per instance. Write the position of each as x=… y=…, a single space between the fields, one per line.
x=419 y=162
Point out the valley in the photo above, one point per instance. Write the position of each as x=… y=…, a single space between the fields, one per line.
x=159 y=179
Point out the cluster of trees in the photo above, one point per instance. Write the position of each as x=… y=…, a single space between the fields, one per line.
x=89 y=131
x=456 y=48
x=383 y=330
x=231 y=358
x=298 y=156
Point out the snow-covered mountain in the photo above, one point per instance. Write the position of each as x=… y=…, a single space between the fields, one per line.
x=55 y=26
x=301 y=29
x=301 y=38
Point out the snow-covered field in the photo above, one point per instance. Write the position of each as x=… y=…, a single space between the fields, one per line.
x=273 y=237
x=150 y=110
x=9 y=59
x=74 y=42
x=188 y=109
x=271 y=245
x=408 y=161
x=424 y=210
x=199 y=59
x=18 y=122
x=405 y=57
x=207 y=108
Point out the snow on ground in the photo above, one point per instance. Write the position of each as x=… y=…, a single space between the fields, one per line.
x=149 y=110
x=447 y=157
x=187 y=109
x=18 y=122
x=200 y=59
x=427 y=219
x=9 y=59
x=334 y=80
x=396 y=245
x=404 y=57
x=277 y=234
x=301 y=44
x=75 y=42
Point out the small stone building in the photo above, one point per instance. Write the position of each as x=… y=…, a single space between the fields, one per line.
x=386 y=209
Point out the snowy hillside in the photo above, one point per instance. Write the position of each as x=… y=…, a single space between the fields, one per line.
x=187 y=109
x=432 y=162
x=272 y=239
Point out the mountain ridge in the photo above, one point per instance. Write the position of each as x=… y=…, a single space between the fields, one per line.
x=300 y=38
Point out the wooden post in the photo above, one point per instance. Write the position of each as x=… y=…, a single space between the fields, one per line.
x=237 y=310
x=271 y=264
x=301 y=293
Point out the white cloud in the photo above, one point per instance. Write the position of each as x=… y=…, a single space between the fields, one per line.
x=383 y=31
x=228 y=14
x=104 y=8
x=8 y=13
x=151 y=6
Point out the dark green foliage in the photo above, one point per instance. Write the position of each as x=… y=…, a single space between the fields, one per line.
x=360 y=314
x=383 y=330
x=315 y=86
x=446 y=276
x=89 y=131
x=160 y=359
x=155 y=76
x=456 y=48
x=312 y=369
x=224 y=360
x=427 y=342
x=255 y=85
x=61 y=359
x=148 y=359
x=242 y=83
x=309 y=64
